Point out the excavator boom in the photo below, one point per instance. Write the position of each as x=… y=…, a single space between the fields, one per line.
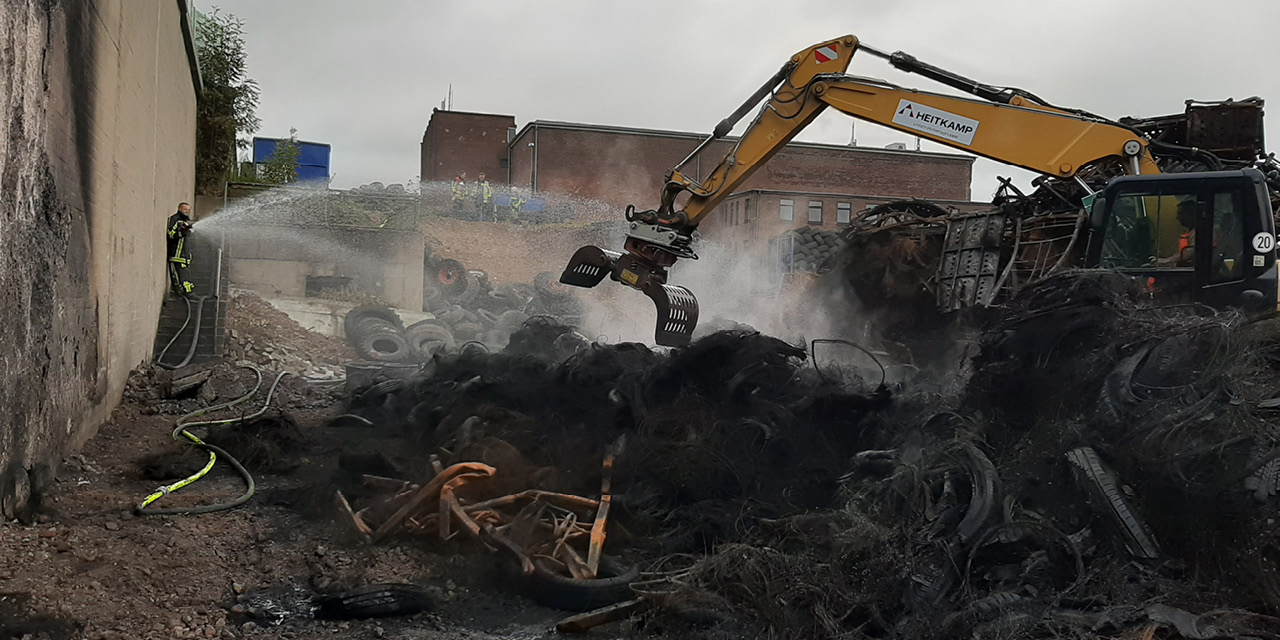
x=1006 y=125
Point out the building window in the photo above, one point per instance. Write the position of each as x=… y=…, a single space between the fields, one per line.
x=786 y=209
x=815 y=211
x=746 y=210
x=842 y=212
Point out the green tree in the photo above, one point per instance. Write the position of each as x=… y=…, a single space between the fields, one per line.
x=226 y=106
x=282 y=166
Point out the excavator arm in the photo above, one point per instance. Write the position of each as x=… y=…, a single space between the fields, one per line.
x=1007 y=125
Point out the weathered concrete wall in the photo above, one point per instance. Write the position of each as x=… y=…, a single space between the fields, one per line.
x=275 y=260
x=97 y=140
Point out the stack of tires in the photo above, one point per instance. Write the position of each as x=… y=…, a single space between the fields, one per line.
x=469 y=308
x=376 y=333
x=806 y=248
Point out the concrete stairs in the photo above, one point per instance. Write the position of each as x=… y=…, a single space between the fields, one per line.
x=204 y=274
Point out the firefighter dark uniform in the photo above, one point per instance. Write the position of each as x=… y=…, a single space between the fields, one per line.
x=179 y=228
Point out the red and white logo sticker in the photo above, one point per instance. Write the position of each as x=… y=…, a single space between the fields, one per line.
x=826 y=54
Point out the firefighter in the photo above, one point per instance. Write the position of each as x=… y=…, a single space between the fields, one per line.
x=459 y=193
x=179 y=227
x=484 y=197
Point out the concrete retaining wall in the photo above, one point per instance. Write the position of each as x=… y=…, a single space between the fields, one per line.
x=97 y=141
x=276 y=260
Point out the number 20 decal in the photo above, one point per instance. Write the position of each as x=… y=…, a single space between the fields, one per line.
x=1264 y=242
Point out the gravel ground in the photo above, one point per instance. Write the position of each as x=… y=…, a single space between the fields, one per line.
x=87 y=568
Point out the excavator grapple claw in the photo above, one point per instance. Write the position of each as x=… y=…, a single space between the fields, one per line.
x=677 y=313
x=677 y=307
x=588 y=266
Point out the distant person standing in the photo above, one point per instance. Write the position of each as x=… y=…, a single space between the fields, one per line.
x=179 y=227
x=459 y=193
x=484 y=197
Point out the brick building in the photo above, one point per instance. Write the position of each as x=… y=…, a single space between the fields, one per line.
x=472 y=142
x=824 y=183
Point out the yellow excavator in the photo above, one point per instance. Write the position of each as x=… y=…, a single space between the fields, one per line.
x=1186 y=201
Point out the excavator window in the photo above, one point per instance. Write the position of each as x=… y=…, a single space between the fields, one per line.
x=1228 y=237
x=1161 y=228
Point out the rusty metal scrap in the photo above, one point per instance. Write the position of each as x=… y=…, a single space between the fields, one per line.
x=546 y=523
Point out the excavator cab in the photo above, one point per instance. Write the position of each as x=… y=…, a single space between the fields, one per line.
x=1197 y=237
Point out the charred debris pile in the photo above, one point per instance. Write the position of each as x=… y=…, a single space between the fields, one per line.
x=1109 y=469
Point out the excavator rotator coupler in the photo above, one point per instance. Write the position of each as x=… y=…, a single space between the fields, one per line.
x=649 y=252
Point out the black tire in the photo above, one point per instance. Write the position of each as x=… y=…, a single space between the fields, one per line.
x=467 y=296
x=1105 y=496
x=511 y=321
x=464 y=331
x=483 y=279
x=548 y=285
x=436 y=304
x=453 y=315
x=450 y=277
x=384 y=346
x=553 y=590
x=373 y=601
x=494 y=302
x=431 y=297
x=519 y=294
x=984 y=498
x=364 y=328
x=356 y=315
x=428 y=338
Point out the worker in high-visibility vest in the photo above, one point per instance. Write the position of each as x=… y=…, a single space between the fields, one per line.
x=178 y=228
x=484 y=197
x=459 y=193
x=1188 y=216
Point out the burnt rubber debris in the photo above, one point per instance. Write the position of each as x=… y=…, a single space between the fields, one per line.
x=1093 y=467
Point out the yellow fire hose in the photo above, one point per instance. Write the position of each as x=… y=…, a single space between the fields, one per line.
x=214 y=451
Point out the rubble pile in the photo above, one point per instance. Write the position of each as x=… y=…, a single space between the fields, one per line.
x=263 y=335
x=159 y=391
x=1110 y=470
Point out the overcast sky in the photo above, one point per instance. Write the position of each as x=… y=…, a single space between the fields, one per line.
x=364 y=76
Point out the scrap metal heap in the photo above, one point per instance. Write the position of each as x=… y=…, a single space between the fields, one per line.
x=1109 y=469
x=909 y=252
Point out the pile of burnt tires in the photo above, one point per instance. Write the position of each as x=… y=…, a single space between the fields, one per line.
x=377 y=333
x=467 y=308
x=806 y=248
x=471 y=304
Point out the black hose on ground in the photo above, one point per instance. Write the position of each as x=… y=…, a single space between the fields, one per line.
x=195 y=337
x=214 y=452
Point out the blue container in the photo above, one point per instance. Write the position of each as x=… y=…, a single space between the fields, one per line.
x=313 y=158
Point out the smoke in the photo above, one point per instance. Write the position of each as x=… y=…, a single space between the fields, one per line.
x=735 y=290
